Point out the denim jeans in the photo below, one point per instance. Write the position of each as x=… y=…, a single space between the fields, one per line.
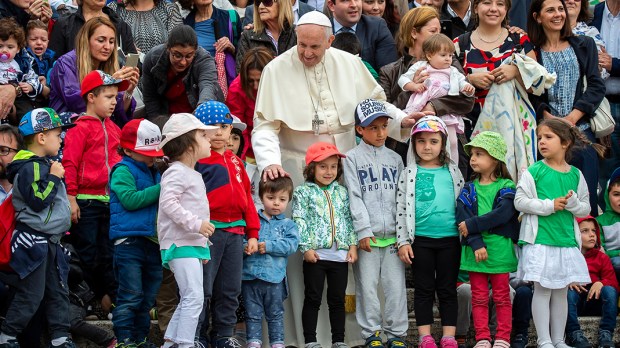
x=222 y=283
x=586 y=160
x=610 y=164
x=522 y=309
x=90 y=237
x=606 y=306
x=138 y=270
x=260 y=298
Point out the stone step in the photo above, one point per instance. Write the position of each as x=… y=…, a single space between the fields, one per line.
x=588 y=324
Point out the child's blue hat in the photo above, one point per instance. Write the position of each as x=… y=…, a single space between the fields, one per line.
x=213 y=112
x=41 y=120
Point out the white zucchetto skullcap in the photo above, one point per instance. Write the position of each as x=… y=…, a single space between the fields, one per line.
x=315 y=17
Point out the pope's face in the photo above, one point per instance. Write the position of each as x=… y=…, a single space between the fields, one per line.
x=312 y=42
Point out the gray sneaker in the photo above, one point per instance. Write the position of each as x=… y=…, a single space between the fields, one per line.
x=339 y=345
x=577 y=339
x=605 y=339
x=313 y=345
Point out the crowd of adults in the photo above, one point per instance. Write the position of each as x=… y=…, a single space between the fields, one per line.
x=292 y=89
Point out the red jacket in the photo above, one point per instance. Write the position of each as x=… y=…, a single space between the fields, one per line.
x=243 y=107
x=89 y=155
x=229 y=190
x=599 y=264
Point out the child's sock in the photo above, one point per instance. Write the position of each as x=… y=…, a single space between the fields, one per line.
x=4 y=338
x=58 y=341
x=422 y=337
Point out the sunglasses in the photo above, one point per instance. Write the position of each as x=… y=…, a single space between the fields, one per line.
x=266 y=3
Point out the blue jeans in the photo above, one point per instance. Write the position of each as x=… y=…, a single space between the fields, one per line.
x=608 y=165
x=222 y=283
x=522 y=309
x=606 y=306
x=260 y=298
x=138 y=270
x=90 y=237
x=586 y=160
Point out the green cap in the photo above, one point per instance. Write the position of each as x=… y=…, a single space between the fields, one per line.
x=492 y=142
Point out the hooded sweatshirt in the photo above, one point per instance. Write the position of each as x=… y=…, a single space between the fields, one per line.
x=599 y=264
x=40 y=198
x=610 y=222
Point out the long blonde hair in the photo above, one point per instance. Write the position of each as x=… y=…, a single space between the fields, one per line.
x=82 y=48
x=285 y=15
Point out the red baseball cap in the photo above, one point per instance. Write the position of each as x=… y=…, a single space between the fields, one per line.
x=141 y=136
x=98 y=78
x=320 y=151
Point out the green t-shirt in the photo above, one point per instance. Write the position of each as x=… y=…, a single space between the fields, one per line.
x=556 y=229
x=383 y=242
x=502 y=257
x=435 y=204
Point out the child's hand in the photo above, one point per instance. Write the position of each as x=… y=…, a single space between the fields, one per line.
x=468 y=90
x=365 y=243
x=43 y=80
x=311 y=256
x=595 y=291
x=262 y=247
x=569 y=195
x=405 y=253
x=252 y=246
x=579 y=288
x=207 y=228
x=415 y=87
x=75 y=209
x=463 y=229
x=57 y=169
x=559 y=203
x=205 y=261
x=352 y=254
x=25 y=87
x=481 y=254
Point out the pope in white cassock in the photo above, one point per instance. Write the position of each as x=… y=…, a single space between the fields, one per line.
x=306 y=95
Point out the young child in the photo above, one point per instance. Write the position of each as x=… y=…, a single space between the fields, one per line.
x=134 y=194
x=234 y=216
x=550 y=194
x=38 y=258
x=327 y=240
x=371 y=173
x=264 y=273
x=610 y=221
x=16 y=67
x=597 y=299
x=183 y=226
x=89 y=154
x=236 y=145
x=37 y=38
x=443 y=79
x=487 y=220
x=426 y=227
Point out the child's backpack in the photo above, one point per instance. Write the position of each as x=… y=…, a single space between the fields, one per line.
x=7 y=226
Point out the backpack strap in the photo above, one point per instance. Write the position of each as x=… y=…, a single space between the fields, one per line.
x=464 y=43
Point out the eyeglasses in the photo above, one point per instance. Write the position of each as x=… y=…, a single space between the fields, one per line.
x=178 y=56
x=266 y=3
x=5 y=150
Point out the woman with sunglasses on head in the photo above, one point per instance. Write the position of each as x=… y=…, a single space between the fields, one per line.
x=273 y=28
x=217 y=31
x=178 y=76
x=574 y=59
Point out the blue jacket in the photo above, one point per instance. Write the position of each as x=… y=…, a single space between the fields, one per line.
x=139 y=222
x=501 y=220
x=281 y=239
x=44 y=65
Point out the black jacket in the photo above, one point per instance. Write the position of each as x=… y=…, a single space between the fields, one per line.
x=586 y=101
x=8 y=10
x=457 y=24
x=67 y=27
x=200 y=81
x=250 y=39
x=615 y=61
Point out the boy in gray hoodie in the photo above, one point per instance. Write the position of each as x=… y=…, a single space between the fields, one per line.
x=43 y=217
x=371 y=174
